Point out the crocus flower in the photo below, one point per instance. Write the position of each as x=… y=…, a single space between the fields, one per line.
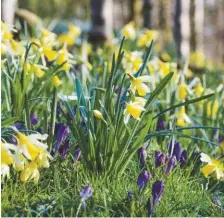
x=63 y=150
x=62 y=132
x=160 y=125
x=142 y=156
x=176 y=149
x=86 y=193
x=160 y=158
x=157 y=191
x=33 y=119
x=183 y=158
x=171 y=164
x=143 y=179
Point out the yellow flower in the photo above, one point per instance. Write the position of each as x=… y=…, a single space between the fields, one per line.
x=36 y=69
x=132 y=62
x=139 y=85
x=3 y=48
x=17 y=48
x=47 y=38
x=30 y=172
x=70 y=36
x=57 y=82
x=182 y=117
x=98 y=114
x=189 y=74
x=63 y=57
x=30 y=145
x=164 y=68
x=182 y=91
x=49 y=53
x=140 y=100
x=133 y=109
x=166 y=57
x=212 y=109
x=5 y=32
x=198 y=89
x=146 y=38
x=212 y=166
x=197 y=59
x=129 y=31
x=152 y=68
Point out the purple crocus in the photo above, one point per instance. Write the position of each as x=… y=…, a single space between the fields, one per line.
x=63 y=150
x=171 y=164
x=142 y=154
x=183 y=158
x=86 y=192
x=62 y=132
x=160 y=125
x=33 y=119
x=143 y=179
x=13 y=140
x=160 y=158
x=157 y=191
x=176 y=149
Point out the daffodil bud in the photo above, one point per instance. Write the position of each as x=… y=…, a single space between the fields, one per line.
x=98 y=114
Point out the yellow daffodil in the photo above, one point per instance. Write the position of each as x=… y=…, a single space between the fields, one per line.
x=70 y=36
x=17 y=48
x=47 y=38
x=30 y=172
x=164 y=68
x=49 y=53
x=140 y=100
x=63 y=57
x=37 y=70
x=188 y=74
x=182 y=117
x=139 y=85
x=213 y=166
x=31 y=144
x=133 y=109
x=182 y=91
x=166 y=57
x=198 y=89
x=5 y=32
x=98 y=114
x=129 y=31
x=197 y=59
x=146 y=38
x=56 y=81
x=212 y=109
x=132 y=62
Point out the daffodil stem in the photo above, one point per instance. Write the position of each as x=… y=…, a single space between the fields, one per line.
x=53 y=117
x=28 y=124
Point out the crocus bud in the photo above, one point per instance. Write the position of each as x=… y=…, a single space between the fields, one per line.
x=183 y=158
x=171 y=164
x=63 y=150
x=157 y=191
x=33 y=119
x=160 y=125
x=86 y=193
x=142 y=156
x=176 y=149
x=143 y=179
x=98 y=114
x=160 y=158
x=62 y=131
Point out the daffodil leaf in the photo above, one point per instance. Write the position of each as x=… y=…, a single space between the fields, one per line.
x=80 y=94
x=8 y=121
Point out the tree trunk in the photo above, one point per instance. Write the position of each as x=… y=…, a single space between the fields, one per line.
x=8 y=11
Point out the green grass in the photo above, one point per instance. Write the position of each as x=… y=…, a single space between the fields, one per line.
x=57 y=194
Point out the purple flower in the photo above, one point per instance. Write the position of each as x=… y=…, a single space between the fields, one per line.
x=12 y=140
x=86 y=193
x=62 y=132
x=33 y=119
x=143 y=179
x=176 y=149
x=160 y=158
x=183 y=158
x=142 y=156
x=160 y=125
x=63 y=150
x=77 y=154
x=171 y=164
x=157 y=191
x=19 y=125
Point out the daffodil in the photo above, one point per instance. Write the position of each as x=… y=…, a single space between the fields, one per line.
x=17 y=48
x=213 y=166
x=197 y=59
x=182 y=117
x=63 y=57
x=140 y=100
x=146 y=38
x=47 y=39
x=31 y=144
x=129 y=31
x=139 y=85
x=166 y=57
x=132 y=62
x=182 y=91
x=133 y=109
x=69 y=37
x=5 y=32
x=37 y=70
x=212 y=109
x=49 y=53
x=198 y=89
x=98 y=114
x=30 y=172
x=56 y=81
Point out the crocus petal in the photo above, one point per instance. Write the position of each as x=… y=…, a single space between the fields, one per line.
x=157 y=191
x=86 y=193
